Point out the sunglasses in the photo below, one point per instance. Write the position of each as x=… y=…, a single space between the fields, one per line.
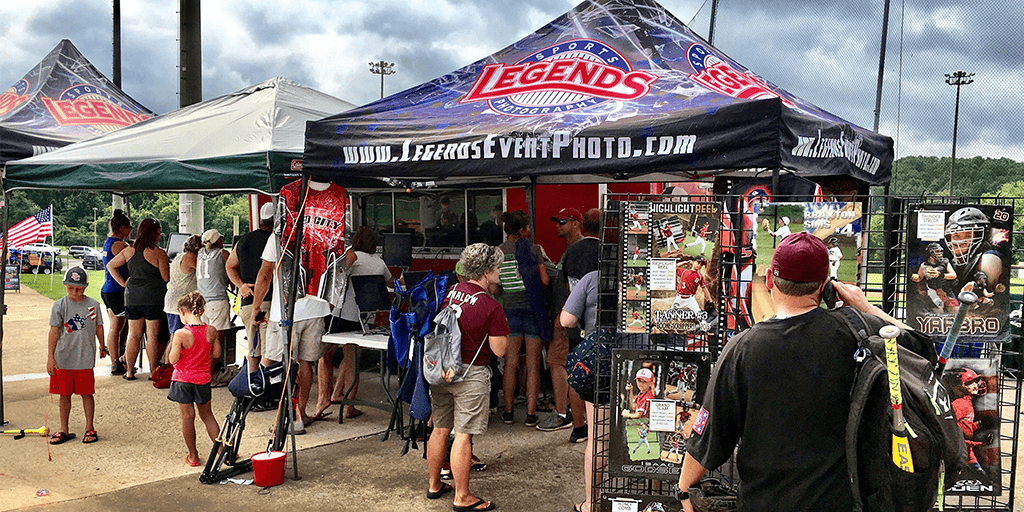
x=562 y=222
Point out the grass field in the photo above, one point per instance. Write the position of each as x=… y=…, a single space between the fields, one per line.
x=52 y=286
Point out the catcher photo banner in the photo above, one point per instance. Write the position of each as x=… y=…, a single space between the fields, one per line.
x=953 y=248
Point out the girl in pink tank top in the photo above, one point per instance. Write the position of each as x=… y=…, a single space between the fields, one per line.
x=192 y=350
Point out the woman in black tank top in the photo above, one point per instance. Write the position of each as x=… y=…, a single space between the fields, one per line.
x=148 y=271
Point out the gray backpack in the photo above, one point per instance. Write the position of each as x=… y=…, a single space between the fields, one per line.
x=442 y=348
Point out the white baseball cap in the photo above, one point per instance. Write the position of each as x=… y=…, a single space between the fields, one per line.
x=267 y=211
x=210 y=236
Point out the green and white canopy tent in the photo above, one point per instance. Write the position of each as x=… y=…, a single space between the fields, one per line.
x=247 y=141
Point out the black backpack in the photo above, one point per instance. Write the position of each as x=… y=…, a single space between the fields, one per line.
x=937 y=443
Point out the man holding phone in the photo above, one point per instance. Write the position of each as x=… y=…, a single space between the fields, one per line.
x=793 y=451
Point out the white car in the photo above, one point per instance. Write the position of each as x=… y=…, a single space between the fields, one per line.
x=41 y=247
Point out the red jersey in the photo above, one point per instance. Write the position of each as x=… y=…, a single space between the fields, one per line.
x=689 y=281
x=666 y=231
x=704 y=231
x=323 y=230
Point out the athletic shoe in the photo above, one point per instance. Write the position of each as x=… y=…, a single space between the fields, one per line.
x=554 y=422
x=298 y=428
x=578 y=435
x=531 y=420
x=508 y=417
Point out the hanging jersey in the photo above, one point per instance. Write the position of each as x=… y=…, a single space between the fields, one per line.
x=323 y=232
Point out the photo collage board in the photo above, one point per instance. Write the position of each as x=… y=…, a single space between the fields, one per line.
x=666 y=254
x=655 y=395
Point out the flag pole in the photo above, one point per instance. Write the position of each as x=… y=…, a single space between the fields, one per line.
x=3 y=294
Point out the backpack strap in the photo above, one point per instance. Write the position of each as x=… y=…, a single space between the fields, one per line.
x=478 y=349
x=859 y=394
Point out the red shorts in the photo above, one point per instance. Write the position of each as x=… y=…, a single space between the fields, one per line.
x=72 y=382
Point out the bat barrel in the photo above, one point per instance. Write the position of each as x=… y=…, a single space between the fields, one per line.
x=967 y=299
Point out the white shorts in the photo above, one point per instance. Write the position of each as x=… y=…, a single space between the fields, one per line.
x=687 y=303
x=218 y=314
x=307 y=340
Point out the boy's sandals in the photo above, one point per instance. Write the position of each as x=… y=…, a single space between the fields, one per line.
x=90 y=437
x=59 y=437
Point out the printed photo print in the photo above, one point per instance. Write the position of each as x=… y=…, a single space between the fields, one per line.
x=973 y=390
x=953 y=249
x=636 y=218
x=637 y=250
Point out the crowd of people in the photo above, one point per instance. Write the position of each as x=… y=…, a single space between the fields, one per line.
x=518 y=304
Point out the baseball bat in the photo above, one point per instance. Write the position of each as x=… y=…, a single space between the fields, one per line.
x=967 y=299
x=901 y=455
x=18 y=434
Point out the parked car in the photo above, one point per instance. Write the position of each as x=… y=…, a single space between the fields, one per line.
x=41 y=247
x=78 y=251
x=93 y=260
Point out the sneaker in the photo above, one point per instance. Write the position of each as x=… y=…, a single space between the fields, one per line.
x=508 y=417
x=119 y=368
x=446 y=471
x=554 y=422
x=531 y=420
x=298 y=428
x=578 y=435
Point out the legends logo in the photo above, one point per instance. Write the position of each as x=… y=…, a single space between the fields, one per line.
x=718 y=76
x=87 y=105
x=572 y=75
x=13 y=97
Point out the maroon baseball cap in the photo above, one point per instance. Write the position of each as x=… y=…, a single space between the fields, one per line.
x=568 y=213
x=801 y=257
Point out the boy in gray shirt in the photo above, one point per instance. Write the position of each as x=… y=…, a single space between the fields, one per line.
x=74 y=321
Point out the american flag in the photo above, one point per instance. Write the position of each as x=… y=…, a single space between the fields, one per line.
x=32 y=229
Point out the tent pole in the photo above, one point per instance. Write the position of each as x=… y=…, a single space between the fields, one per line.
x=775 y=184
x=290 y=311
x=3 y=306
x=711 y=23
x=531 y=200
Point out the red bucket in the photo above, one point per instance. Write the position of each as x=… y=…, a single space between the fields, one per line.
x=268 y=468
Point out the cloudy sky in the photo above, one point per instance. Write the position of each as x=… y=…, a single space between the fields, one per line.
x=823 y=51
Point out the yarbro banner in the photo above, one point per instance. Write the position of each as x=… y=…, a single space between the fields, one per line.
x=953 y=248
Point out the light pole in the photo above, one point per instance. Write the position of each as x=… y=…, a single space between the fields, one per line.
x=958 y=79
x=382 y=68
x=94 y=228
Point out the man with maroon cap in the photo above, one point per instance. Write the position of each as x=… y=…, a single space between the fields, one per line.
x=793 y=451
x=579 y=259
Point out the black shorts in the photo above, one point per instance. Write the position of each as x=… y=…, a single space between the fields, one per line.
x=188 y=393
x=114 y=301
x=154 y=312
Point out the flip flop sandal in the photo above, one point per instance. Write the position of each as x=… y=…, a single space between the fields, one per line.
x=61 y=437
x=193 y=463
x=90 y=437
x=319 y=417
x=473 y=507
x=445 y=489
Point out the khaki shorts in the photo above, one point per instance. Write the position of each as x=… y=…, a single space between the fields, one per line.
x=218 y=314
x=246 y=313
x=558 y=349
x=307 y=340
x=463 y=406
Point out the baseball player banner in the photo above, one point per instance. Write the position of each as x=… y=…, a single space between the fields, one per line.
x=955 y=248
x=666 y=250
x=973 y=389
x=654 y=410
x=838 y=224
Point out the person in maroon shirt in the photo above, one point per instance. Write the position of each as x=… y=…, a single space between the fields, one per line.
x=463 y=406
